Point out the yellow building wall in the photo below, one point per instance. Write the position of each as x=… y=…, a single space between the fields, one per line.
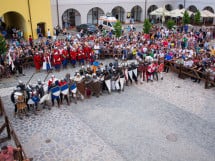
x=40 y=12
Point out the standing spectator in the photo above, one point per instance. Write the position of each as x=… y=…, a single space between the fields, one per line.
x=18 y=64
x=30 y=40
x=49 y=34
x=39 y=31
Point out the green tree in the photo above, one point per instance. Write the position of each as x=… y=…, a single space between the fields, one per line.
x=170 y=23
x=186 y=18
x=147 y=26
x=197 y=17
x=3 y=45
x=118 y=28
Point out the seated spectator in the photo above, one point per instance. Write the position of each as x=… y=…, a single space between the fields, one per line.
x=7 y=153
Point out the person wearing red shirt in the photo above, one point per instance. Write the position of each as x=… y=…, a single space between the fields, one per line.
x=155 y=69
x=37 y=60
x=7 y=153
x=73 y=55
x=31 y=41
x=87 y=52
x=150 y=71
x=64 y=57
x=161 y=69
x=80 y=56
x=57 y=60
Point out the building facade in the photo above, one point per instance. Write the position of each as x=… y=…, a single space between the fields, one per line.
x=27 y=15
x=70 y=13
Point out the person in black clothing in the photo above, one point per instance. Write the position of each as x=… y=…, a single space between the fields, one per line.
x=18 y=65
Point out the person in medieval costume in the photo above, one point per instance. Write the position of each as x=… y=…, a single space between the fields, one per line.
x=73 y=55
x=65 y=57
x=57 y=60
x=37 y=60
x=64 y=95
x=47 y=61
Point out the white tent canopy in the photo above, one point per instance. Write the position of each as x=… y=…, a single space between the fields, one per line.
x=179 y=12
x=206 y=13
x=160 y=12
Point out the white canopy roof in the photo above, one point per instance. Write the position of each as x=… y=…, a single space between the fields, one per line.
x=179 y=12
x=206 y=13
x=160 y=12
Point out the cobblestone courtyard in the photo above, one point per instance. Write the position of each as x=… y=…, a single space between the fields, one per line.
x=166 y=120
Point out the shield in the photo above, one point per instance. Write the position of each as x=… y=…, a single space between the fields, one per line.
x=65 y=89
x=16 y=94
x=81 y=87
x=46 y=97
x=125 y=71
x=108 y=84
x=117 y=84
x=35 y=99
x=122 y=81
x=55 y=92
x=30 y=102
x=113 y=85
x=95 y=63
x=135 y=72
x=73 y=88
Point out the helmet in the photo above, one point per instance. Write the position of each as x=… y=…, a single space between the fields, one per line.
x=20 y=82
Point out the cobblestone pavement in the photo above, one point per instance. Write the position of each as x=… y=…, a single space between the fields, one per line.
x=166 y=120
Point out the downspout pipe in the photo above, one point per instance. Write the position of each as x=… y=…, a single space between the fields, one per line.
x=30 y=19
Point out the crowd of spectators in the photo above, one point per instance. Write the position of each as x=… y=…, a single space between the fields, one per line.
x=191 y=48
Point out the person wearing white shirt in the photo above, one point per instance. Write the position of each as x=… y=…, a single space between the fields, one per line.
x=49 y=34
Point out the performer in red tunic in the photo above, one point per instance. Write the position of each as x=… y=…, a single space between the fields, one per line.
x=37 y=60
x=87 y=52
x=64 y=57
x=57 y=60
x=73 y=55
x=80 y=56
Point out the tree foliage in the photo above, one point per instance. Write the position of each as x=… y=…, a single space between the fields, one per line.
x=186 y=18
x=118 y=28
x=170 y=23
x=147 y=26
x=197 y=17
x=3 y=45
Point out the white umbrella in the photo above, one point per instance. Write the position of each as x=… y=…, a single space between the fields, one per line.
x=160 y=12
x=206 y=13
x=176 y=13
x=183 y=10
x=179 y=12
